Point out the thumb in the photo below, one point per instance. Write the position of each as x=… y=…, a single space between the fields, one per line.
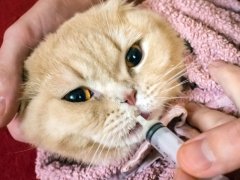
x=15 y=130
x=212 y=153
x=9 y=92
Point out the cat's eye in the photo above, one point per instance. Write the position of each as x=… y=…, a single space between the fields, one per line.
x=134 y=56
x=80 y=94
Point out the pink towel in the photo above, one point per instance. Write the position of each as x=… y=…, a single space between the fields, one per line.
x=212 y=27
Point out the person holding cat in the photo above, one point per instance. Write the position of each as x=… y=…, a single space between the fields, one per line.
x=215 y=151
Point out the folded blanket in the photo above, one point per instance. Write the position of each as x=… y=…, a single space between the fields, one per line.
x=212 y=29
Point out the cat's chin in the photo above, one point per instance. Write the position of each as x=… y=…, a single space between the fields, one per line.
x=135 y=130
x=134 y=135
x=120 y=156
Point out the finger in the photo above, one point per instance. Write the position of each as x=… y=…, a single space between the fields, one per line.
x=15 y=130
x=9 y=92
x=44 y=17
x=212 y=153
x=227 y=75
x=180 y=175
x=204 y=118
x=187 y=131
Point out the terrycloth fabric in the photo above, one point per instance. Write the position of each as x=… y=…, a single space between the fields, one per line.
x=214 y=34
x=212 y=27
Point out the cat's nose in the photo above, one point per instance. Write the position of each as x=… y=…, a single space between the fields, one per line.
x=131 y=98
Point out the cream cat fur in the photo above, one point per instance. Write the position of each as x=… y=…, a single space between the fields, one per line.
x=89 y=51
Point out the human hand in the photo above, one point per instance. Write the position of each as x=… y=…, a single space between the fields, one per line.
x=19 y=39
x=216 y=150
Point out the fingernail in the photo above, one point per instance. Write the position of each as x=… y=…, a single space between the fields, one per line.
x=196 y=155
x=2 y=106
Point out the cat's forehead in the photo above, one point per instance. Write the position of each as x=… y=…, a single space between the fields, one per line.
x=97 y=34
x=96 y=39
x=102 y=29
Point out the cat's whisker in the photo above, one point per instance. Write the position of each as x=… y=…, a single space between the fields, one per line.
x=114 y=138
x=94 y=155
x=171 y=98
x=89 y=151
x=167 y=106
x=127 y=133
x=177 y=75
x=129 y=148
x=180 y=67
x=177 y=66
x=174 y=78
x=166 y=91
x=118 y=149
x=109 y=147
x=159 y=83
x=126 y=144
x=119 y=136
x=165 y=83
x=106 y=136
x=110 y=126
x=22 y=151
x=157 y=89
x=177 y=85
x=168 y=83
x=107 y=139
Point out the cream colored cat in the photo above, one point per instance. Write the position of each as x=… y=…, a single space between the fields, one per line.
x=88 y=81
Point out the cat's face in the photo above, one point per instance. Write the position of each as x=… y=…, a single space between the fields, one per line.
x=89 y=80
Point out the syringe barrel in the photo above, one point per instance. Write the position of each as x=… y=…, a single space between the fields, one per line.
x=164 y=141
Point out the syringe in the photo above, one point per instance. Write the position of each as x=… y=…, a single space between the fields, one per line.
x=165 y=141
x=161 y=138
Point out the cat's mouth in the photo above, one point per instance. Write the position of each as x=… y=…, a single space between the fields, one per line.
x=135 y=130
x=145 y=115
x=135 y=134
x=138 y=127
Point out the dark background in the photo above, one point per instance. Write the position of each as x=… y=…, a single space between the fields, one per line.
x=17 y=160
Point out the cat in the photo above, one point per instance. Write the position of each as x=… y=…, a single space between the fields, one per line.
x=88 y=81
